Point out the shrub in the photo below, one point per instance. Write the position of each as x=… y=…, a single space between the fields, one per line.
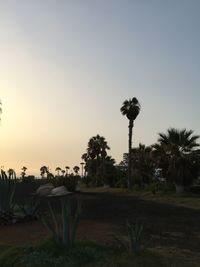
x=62 y=225
x=132 y=242
x=70 y=182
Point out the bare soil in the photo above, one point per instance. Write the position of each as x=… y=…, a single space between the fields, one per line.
x=105 y=215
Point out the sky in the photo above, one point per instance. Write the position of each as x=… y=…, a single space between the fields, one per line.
x=66 y=66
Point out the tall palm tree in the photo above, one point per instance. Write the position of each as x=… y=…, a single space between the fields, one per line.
x=179 y=148
x=130 y=109
x=82 y=164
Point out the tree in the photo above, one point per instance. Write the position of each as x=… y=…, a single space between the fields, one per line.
x=58 y=169
x=178 y=147
x=44 y=170
x=67 y=170
x=95 y=156
x=76 y=169
x=142 y=164
x=130 y=109
x=82 y=164
x=23 y=173
x=11 y=174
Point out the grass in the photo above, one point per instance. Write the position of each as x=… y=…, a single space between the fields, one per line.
x=94 y=255
x=187 y=200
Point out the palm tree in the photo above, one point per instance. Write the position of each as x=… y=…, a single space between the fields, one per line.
x=130 y=109
x=11 y=173
x=58 y=169
x=97 y=145
x=23 y=173
x=96 y=153
x=67 y=169
x=82 y=164
x=76 y=169
x=142 y=163
x=43 y=170
x=180 y=154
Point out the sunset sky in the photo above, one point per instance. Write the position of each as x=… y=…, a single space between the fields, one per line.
x=67 y=66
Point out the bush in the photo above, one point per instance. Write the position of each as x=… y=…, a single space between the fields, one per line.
x=70 y=182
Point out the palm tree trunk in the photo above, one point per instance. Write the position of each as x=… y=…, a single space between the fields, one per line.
x=129 y=152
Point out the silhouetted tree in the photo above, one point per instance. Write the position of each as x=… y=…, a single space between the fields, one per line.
x=177 y=149
x=76 y=169
x=130 y=109
x=44 y=170
x=82 y=164
x=23 y=173
x=58 y=169
x=11 y=174
x=67 y=170
x=96 y=153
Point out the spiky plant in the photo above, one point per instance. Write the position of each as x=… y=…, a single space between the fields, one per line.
x=63 y=225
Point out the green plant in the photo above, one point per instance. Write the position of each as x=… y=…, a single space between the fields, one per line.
x=30 y=207
x=70 y=182
x=132 y=242
x=43 y=258
x=87 y=180
x=63 y=224
x=135 y=232
x=7 y=190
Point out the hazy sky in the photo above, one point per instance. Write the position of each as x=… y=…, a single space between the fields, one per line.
x=67 y=66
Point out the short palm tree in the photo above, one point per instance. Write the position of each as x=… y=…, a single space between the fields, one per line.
x=58 y=169
x=130 y=109
x=76 y=169
x=23 y=173
x=179 y=147
x=44 y=170
x=67 y=169
x=11 y=173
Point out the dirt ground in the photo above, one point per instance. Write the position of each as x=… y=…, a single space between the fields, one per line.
x=105 y=215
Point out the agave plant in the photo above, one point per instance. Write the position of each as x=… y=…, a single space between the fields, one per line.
x=62 y=225
x=7 y=191
x=132 y=242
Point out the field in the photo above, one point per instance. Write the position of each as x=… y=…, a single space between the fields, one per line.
x=170 y=231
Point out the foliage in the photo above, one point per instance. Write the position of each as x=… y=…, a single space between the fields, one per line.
x=7 y=190
x=95 y=158
x=30 y=207
x=142 y=164
x=76 y=169
x=175 y=153
x=28 y=179
x=87 y=180
x=49 y=254
x=133 y=240
x=69 y=181
x=130 y=109
x=63 y=224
